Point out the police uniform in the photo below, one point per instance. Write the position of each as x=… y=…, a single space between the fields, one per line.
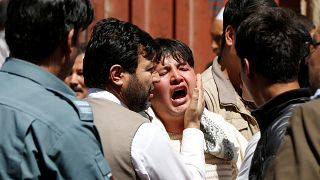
x=45 y=131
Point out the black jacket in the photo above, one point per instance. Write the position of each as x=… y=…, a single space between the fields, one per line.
x=273 y=119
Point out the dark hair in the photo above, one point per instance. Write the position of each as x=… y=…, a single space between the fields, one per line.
x=35 y=28
x=236 y=11
x=82 y=47
x=79 y=49
x=305 y=21
x=274 y=43
x=3 y=12
x=114 y=42
x=177 y=49
x=303 y=76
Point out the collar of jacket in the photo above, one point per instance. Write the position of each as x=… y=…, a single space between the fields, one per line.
x=316 y=95
x=226 y=92
x=272 y=109
x=35 y=73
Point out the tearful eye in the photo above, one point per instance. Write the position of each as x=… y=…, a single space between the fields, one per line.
x=183 y=69
x=179 y=94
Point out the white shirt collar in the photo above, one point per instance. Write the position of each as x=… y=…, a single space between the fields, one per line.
x=103 y=94
x=2 y=34
x=317 y=94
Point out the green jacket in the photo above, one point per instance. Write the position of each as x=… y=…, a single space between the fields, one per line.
x=220 y=97
x=46 y=133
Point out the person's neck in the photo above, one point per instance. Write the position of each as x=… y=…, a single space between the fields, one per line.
x=226 y=75
x=222 y=68
x=116 y=91
x=56 y=64
x=273 y=90
x=172 y=124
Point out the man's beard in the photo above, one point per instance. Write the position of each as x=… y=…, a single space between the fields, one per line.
x=137 y=96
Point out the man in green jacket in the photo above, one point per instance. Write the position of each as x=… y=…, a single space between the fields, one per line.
x=223 y=90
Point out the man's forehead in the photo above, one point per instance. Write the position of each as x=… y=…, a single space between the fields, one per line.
x=169 y=59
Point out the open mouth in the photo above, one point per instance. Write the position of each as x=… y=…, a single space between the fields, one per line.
x=151 y=94
x=76 y=89
x=179 y=93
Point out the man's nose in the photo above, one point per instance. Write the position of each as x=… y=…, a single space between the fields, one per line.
x=176 y=76
x=74 y=79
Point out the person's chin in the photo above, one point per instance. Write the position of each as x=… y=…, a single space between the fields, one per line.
x=179 y=110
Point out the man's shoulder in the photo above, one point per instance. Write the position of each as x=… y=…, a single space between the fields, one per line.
x=310 y=108
x=312 y=103
x=34 y=100
x=306 y=115
x=207 y=75
x=101 y=107
x=41 y=116
x=208 y=82
x=112 y=106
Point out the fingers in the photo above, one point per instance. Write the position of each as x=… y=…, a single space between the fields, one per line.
x=197 y=94
x=195 y=109
x=199 y=81
x=194 y=103
x=200 y=91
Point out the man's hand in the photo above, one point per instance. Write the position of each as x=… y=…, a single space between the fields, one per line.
x=194 y=112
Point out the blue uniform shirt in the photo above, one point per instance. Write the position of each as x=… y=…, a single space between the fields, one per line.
x=45 y=132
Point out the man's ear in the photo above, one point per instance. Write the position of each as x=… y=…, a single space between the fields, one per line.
x=116 y=75
x=70 y=43
x=229 y=35
x=247 y=69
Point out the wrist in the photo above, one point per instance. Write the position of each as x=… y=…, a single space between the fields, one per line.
x=192 y=125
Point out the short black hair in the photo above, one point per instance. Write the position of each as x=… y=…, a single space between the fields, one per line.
x=305 y=22
x=114 y=42
x=177 y=49
x=303 y=76
x=82 y=47
x=236 y=11
x=3 y=12
x=274 y=43
x=35 y=28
